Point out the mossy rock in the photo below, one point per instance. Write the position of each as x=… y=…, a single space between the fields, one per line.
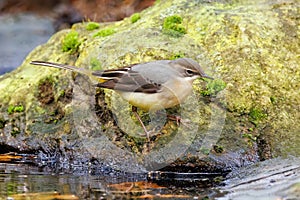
x=249 y=112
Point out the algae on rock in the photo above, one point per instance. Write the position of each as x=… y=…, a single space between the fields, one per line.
x=251 y=47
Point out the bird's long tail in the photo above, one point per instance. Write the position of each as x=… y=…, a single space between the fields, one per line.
x=96 y=77
x=59 y=66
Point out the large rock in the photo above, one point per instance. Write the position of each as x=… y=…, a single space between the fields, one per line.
x=272 y=179
x=252 y=47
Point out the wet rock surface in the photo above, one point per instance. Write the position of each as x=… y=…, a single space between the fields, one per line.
x=273 y=179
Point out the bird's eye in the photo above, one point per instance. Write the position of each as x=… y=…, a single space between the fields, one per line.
x=189 y=72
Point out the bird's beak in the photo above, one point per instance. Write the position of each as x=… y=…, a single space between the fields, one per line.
x=206 y=76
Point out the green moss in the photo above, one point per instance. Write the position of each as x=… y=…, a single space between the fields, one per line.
x=15 y=131
x=92 y=26
x=95 y=64
x=213 y=87
x=249 y=136
x=173 y=26
x=177 y=55
x=218 y=149
x=256 y=115
x=54 y=115
x=61 y=93
x=2 y=123
x=219 y=179
x=19 y=108
x=135 y=17
x=273 y=100
x=104 y=32
x=71 y=42
x=11 y=188
x=204 y=150
x=12 y=109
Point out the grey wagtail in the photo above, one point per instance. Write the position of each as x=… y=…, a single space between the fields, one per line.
x=149 y=86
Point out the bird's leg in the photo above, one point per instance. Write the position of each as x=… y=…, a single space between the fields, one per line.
x=134 y=110
x=175 y=118
x=178 y=120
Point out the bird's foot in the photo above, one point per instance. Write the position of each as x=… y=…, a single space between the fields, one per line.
x=149 y=134
x=179 y=120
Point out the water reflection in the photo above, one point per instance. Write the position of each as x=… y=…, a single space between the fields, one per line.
x=20 y=181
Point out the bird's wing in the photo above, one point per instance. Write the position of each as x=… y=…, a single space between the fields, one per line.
x=126 y=79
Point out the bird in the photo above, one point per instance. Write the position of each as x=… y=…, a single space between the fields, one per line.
x=149 y=86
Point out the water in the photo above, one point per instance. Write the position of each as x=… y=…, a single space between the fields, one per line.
x=21 y=181
x=19 y=34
